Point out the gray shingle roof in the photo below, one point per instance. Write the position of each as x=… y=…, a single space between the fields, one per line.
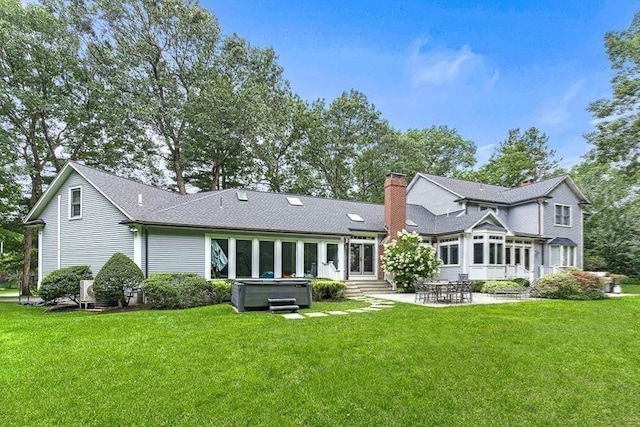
x=124 y=192
x=272 y=212
x=562 y=241
x=495 y=193
x=269 y=212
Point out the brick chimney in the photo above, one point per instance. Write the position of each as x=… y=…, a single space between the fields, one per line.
x=395 y=203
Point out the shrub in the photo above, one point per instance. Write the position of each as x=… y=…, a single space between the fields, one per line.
x=522 y=282
x=177 y=290
x=118 y=273
x=408 y=260
x=64 y=283
x=493 y=285
x=221 y=290
x=571 y=285
x=589 y=283
x=618 y=279
x=327 y=289
x=477 y=285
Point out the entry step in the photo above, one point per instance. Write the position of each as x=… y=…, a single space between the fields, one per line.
x=282 y=301
x=277 y=308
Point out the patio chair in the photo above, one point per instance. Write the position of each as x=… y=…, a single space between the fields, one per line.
x=422 y=291
x=466 y=291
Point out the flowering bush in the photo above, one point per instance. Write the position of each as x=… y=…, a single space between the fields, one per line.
x=408 y=260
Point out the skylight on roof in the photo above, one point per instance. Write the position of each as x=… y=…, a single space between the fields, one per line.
x=294 y=201
x=411 y=223
x=355 y=217
x=242 y=196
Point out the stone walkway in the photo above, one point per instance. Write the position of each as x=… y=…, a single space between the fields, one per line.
x=376 y=304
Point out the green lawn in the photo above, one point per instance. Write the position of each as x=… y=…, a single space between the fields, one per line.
x=533 y=363
x=631 y=288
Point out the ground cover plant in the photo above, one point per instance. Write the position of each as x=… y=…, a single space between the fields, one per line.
x=548 y=362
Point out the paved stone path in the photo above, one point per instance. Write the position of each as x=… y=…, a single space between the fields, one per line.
x=375 y=305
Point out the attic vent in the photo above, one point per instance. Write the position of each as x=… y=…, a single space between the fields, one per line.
x=355 y=217
x=411 y=223
x=294 y=201
x=242 y=195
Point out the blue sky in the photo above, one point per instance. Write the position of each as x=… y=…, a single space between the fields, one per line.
x=481 y=67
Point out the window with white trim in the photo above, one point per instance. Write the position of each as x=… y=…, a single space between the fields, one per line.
x=563 y=256
x=75 y=203
x=562 y=215
x=449 y=250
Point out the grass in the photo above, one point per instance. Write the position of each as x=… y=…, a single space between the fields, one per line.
x=631 y=288
x=532 y=363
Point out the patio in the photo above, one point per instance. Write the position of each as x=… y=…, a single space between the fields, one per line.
x=478 y=299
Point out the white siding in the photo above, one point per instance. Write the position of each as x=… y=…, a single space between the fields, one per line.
x=176 y=250
x=564 y=196
x=433 y=197
x=91 y=240
x=524 y=218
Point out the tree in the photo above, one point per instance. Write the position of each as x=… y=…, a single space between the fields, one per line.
x=45 y=102
x=337 y=136
x=443 y=150
x=617 y=134
x=157 y=55
x=612 y=220
x=522 y=156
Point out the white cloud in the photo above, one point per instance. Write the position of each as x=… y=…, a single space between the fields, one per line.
x=444 y=66
x=556 y=112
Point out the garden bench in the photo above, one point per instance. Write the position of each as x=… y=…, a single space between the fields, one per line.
x=510 y=293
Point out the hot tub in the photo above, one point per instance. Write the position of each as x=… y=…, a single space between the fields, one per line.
x=254 y=294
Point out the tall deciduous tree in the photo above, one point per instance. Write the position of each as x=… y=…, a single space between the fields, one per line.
x=522 y=156
x=612 y=220
x=443 y=151
x=617 y=134
x=157 y=55
x=45 y=106
x=338 y=135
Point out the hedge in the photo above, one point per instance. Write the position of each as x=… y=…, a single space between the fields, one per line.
x=574 y=284
x=494 y=285
x=327 y=289
x=178 y=290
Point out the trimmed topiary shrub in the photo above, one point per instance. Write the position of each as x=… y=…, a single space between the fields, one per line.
x=327 y=289
x=64 y=283
x=177 y=290
x=570 y=285
x=118 y=274
x=221 y=290
x=494 y=285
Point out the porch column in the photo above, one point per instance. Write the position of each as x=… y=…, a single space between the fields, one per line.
x=277 y=259
x=299 y=258
x=231 y=258
x=255 y=258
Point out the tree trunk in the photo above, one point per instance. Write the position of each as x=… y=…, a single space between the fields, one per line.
x=36 y=192
x=177 y=168
x=26 y=267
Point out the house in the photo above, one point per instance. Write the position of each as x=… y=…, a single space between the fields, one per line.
x=485 y=231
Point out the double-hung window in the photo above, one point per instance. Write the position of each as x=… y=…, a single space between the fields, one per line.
x=75 y=203
x=562 y=215
x=449 y=251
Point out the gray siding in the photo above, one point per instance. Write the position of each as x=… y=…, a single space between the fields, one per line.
x=433 y=197
x=178 y=250
x=524 y=218
x=563 y=195
x=90 y=240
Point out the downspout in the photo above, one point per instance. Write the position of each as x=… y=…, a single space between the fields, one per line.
x=146 y=251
